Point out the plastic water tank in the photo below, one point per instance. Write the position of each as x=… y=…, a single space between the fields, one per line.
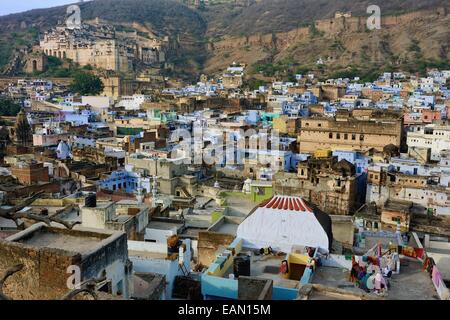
x=241 y=265
x=91 y=200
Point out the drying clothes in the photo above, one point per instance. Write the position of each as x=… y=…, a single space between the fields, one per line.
x=363 y=283
x=361 y=274
x=378 y=281
x=373 y=260
x=370 y=282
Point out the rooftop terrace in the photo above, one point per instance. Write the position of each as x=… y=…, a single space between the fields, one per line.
x=80 y=240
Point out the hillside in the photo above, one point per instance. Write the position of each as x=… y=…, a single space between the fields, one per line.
x=406 y=42
x=266 y=16
x=170 y=18
x=273 y=36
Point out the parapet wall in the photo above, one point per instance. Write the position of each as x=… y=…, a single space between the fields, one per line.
x=44 y=276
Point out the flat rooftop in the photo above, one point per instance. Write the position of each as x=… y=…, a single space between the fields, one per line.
x=62 y=241
x=227 y=228
x=147 y=254
x=79 y=240
x=160 y=225
x=267 y=267
x=411 y=284
x=226 y=225
x=336 y=278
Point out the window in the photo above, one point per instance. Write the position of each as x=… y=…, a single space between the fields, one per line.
x=338 y=135
x=361 y=137
x=353 y=136
x=330 y=135
x=319 y=125
x=345 y=136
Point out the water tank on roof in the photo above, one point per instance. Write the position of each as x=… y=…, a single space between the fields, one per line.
x=241 y=265
x=91 y=200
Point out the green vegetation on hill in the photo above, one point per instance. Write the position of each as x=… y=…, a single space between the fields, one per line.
x=421 y=65
x=58 y=68
x=87 y=84
x=8 y=108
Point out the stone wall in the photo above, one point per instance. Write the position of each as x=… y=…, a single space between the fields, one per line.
x=340 y=201
x=45 y=273
x=343 y=230
x=350 y=135
x=44 y=276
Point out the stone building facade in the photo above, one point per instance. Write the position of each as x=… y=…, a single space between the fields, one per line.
x=350 y=133
x=36 y=61
x=30 y=172
x=325 y=182
x=99 y=44
x=49 y=254
x=427 y=196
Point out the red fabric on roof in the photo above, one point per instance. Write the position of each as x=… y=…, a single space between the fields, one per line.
x=288 y=203
x=300 y=205
x=275 y=205
x=296 y=206
x=291 y=207
x=305 y=205
x=280 y=206
x=271 y=202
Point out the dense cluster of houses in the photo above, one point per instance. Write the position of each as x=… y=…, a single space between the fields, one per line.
x=194 y=191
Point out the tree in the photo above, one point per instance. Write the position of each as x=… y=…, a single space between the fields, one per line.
x=87 y=84
x=8 y=108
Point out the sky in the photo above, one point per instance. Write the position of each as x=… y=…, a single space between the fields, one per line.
x=14 y=6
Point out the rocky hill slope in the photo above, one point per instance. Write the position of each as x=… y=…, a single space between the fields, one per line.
x=275 y=37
